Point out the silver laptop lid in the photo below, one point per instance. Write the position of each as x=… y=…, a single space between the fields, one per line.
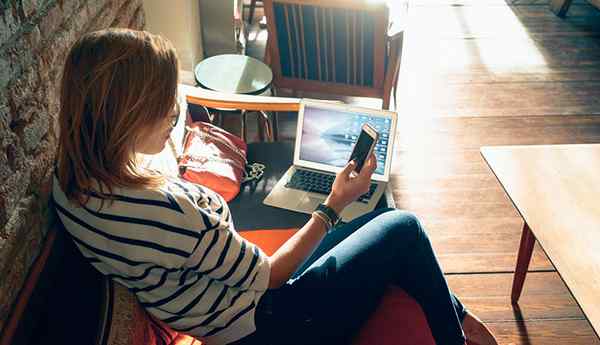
x=326 y=134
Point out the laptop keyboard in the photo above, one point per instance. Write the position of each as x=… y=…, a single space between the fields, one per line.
x=316 y=182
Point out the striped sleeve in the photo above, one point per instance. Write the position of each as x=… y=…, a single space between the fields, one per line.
x=223 y=255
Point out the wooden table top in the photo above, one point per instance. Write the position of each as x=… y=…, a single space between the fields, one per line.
x=556 y=189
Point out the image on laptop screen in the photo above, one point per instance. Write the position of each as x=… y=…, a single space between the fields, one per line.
x=328 y=136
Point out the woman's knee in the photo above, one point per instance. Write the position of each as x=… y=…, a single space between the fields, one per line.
x=405 y=227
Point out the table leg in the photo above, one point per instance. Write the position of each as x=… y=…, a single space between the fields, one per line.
x=275 y=126
x=243 y=130
x=260 y=121
x=275 y=122
x=523 y=259
x=560 y=7
x=219 y=118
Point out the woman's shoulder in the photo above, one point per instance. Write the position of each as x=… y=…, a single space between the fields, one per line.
x=176 y=192
x=176 y=197
x=184 y=189
x=197 y=198
x=170 y=194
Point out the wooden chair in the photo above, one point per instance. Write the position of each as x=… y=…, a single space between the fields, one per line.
x=251 y=10
x=561 y=7
x=262 y=105
x=338 y=47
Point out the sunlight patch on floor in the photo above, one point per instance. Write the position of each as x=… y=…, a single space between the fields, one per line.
x=447 y=43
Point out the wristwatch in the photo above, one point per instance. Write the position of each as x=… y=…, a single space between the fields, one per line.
x=330 y=213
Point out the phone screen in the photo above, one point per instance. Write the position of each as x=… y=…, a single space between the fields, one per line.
x=361 y=150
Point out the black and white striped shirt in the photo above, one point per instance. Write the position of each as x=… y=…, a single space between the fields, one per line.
x=175 y=248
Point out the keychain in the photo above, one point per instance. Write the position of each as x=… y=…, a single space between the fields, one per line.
x=254 y=172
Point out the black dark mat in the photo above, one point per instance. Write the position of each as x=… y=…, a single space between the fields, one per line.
x=247 y=208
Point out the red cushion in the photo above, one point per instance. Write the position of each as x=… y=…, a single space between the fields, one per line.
x=398 y=320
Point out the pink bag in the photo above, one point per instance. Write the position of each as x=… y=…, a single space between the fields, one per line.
x=214 y=158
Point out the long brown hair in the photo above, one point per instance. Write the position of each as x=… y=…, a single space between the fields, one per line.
x=115 y=84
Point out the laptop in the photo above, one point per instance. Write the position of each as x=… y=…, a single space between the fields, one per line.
x=325 y=136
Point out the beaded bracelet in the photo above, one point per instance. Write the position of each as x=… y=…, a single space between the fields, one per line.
x=325 y=219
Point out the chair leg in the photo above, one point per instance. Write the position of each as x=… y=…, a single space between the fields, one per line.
x=264 y=128
x=260 y=124
x=386 y=101
x=251 y=12
x=560 y=7
x=395 y=91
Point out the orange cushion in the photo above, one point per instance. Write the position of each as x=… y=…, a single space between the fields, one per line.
x=268 y=240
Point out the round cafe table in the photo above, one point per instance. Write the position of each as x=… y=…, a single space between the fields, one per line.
x=235 y=74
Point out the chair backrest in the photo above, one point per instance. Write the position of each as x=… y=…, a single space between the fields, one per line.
x=63 y=300
x=337 y=46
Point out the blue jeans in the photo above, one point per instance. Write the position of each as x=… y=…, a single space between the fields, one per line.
x=339 y=286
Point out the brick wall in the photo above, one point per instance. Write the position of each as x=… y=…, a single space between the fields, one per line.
x=35 y=36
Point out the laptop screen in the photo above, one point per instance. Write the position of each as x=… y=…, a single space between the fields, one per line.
x=329 y=135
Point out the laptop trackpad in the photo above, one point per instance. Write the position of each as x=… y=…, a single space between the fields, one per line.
x=310 y=202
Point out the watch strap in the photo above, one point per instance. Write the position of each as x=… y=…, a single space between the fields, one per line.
x=330 y=213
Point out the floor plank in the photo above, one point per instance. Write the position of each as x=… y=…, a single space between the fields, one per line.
x=485 y=262
x=544 y=296
x=522 y=21
x=502 y=99
x=482 y=3
x=458 y=134
x=513 y=50
x=544 y=332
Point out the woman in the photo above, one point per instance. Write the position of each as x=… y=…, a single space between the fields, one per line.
x=173 y=243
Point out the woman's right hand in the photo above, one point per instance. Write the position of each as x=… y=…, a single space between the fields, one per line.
x=349 y=185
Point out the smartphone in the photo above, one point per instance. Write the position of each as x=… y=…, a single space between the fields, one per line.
x=364 y=146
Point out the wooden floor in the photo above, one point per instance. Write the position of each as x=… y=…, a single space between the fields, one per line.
x=491 y=72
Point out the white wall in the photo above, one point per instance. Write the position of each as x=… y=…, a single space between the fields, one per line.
x=218 y=26
x=179 y=21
